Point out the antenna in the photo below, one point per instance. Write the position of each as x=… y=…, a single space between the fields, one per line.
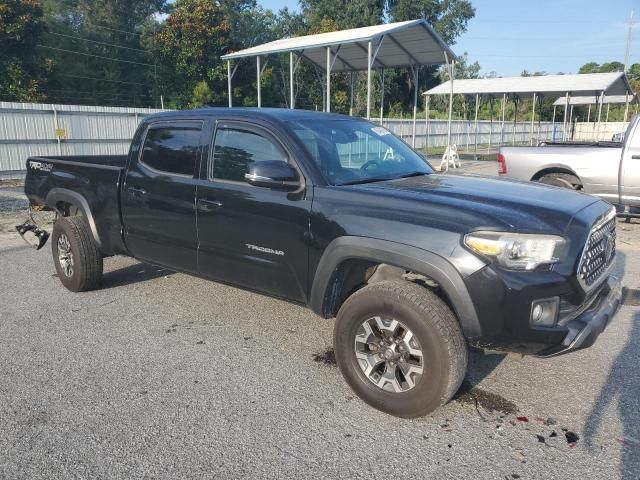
x=626 y=53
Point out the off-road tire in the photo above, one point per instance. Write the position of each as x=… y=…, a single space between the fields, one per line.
x=432 y=323
x=564 y=180
x=87 y=259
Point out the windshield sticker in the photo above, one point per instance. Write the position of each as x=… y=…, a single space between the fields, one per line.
x=381 y=131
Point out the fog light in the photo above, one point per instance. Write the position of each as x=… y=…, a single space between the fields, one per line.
x=544 y=312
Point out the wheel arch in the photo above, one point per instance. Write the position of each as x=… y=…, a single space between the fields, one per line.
x=555 y=169
x=58 y=198
x=348 y=260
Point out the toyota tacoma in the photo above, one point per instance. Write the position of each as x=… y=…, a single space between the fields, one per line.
x=338 y=214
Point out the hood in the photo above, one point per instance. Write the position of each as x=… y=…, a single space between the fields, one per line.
x=472 y=202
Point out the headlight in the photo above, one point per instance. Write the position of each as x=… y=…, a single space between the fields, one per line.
x=516 y=251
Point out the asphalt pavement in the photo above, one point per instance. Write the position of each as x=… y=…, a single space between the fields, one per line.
x=163 y=375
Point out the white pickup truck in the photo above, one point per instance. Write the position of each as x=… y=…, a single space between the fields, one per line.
x=609 y=170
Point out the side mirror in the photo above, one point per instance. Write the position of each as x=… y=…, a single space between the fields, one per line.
x=273 y=174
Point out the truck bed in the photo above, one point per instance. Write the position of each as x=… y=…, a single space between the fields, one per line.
x=91 y=181
x=602 y=144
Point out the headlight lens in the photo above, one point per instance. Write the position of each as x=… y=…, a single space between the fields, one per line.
x=516 y=251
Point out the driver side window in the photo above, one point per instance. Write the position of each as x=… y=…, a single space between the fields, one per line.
x=234 y=150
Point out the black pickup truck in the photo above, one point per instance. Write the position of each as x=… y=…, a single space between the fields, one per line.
x=338 y=214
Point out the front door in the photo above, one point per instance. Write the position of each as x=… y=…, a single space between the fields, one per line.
x=630 y=185
x=158 y=200
x=250 y=236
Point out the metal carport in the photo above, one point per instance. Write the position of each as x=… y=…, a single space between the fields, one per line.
x=410 y=44
x=608 y=100
x=596 y=85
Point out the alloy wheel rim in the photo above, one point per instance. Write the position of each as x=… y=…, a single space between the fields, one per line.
x=65 y=256
x=389 y=354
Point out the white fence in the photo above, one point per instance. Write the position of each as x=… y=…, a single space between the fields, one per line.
x=28 y=129
x=590 y=131
x=39 y=129
x=463 y=132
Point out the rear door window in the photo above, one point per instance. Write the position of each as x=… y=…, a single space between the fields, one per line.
x=172 y=149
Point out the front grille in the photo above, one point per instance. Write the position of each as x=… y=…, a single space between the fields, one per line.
x=599 y=251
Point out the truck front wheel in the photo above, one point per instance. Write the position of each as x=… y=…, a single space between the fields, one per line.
x=76 y=257
x=400 y=348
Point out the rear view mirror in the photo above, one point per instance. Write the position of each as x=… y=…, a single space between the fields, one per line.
x=273 y=174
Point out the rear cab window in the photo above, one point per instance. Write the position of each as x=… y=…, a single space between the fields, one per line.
x=173 y=149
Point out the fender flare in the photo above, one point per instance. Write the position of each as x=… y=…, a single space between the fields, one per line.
x=555 y=166
x=57 y=195
x=399 y=255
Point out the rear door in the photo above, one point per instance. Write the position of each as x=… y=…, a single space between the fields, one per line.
x=251 y=236
x=630 y=174
x=158 y=199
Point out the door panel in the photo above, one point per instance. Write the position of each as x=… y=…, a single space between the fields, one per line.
x=630 y=188
x=251 y=236
x=159 y=196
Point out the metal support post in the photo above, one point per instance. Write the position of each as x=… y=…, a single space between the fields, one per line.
x=533 y=117
x=476 y=123
x=599 y=115
x=328 y=79
x=414 y=73
x=504 y=106
x=370 y=46
x=381 y=96
x=228 y=84
x=259 y=72
x=292 y=98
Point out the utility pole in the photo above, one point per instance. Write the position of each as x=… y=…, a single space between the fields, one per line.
x=626 y=53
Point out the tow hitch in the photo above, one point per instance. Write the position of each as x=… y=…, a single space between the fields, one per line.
x=31 y=233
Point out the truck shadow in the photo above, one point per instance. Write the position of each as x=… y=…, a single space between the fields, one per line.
x=136 y=273
x=622 y=390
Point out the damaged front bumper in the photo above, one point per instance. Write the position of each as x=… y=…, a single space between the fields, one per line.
x=587 y=327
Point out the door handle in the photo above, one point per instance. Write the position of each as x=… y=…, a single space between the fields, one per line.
x=208 y=205
x=136 y=191
x=635 y=157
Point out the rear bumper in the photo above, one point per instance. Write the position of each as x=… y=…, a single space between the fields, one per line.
x=587 y=327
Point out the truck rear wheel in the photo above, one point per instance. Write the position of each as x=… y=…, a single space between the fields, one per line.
x=75 y=254
x=563 y=180
x=400 y=348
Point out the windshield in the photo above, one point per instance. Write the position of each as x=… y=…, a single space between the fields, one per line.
x=355 y=151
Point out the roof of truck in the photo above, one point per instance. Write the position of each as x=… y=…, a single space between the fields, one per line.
x=280 y=114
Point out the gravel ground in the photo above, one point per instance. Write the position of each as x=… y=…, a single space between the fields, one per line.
x=163 y=375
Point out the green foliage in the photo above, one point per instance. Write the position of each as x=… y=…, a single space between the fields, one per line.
x=201 y=95
x=21 y=65
x=123 y=52
x=449 y=17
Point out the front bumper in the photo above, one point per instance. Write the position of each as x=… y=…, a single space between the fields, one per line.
x=502 y=301
x=587 y=327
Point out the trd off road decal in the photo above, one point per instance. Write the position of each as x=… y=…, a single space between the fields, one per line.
x=42 y=166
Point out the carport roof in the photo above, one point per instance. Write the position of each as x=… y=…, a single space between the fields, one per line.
x=615 y=83
x=403 y=44
x=588 y=100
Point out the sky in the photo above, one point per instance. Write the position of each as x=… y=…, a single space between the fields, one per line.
x=509 y=36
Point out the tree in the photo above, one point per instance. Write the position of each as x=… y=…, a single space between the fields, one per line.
x=21 y=65
x=201 y=95
x=191 y=41
x=97 y=51
x=449 y=17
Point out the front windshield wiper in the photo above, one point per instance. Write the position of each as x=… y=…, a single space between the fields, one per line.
x=364 y=180
x=383 y=179
x=411 y=174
